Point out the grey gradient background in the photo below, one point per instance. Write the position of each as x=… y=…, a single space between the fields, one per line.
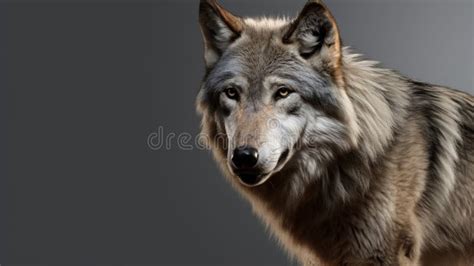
x=82 y=85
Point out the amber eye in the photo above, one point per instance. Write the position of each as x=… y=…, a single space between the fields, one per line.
x=283 y=92
x=231 y=93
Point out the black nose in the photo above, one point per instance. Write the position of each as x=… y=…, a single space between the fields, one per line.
x=245 y=158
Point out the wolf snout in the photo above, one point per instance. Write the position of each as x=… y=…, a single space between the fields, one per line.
x=244 y=164
x=244 y=158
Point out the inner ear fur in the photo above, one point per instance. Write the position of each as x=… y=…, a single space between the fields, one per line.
x=315 y=30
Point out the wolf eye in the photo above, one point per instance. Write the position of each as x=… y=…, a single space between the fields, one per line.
x=283 y=92
x=231 y=93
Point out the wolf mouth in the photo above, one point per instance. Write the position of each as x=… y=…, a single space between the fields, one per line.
x=250 y=179
x=283 y=157
x=253 y=180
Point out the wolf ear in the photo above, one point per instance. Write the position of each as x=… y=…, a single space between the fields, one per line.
x=219 y=28
x=314 y=29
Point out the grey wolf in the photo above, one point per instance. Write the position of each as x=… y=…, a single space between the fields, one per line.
x=346 y=162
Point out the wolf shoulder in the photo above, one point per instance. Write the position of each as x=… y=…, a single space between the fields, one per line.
x=448 y=198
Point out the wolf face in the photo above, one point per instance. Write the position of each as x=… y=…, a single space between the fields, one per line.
x=272 y=88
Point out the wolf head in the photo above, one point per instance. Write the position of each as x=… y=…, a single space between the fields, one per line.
x=273 y=88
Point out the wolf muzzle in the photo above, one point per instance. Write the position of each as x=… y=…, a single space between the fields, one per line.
x=244 y=164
